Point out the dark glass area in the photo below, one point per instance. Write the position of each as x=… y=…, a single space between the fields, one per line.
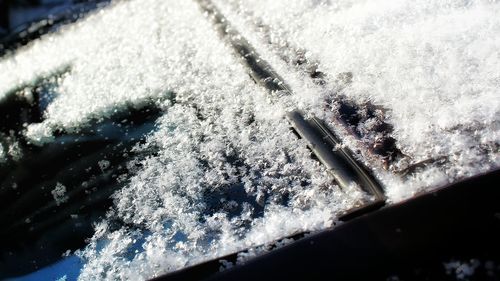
x=22 y=21
x=50 y=195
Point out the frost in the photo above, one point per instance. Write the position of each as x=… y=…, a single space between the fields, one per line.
x=225 y=265
x=15 y=151
x=462 y=270
x=9 y=148
x=103 y=165
x=432 y=66
x=3 y=155
x=224 y=172
x=39 y=134
x=59 y=194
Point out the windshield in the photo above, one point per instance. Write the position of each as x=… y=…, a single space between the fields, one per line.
x=140 y=125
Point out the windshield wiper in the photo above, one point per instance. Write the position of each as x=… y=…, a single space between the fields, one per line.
x=327 y=147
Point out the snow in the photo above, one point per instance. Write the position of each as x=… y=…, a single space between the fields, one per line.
x=59 y=194
x=432 y=65
x=3 y=156
x=462 y=270
x=471 y=269
x=228 y=174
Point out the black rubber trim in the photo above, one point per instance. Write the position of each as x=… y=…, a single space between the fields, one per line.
x=334 y=156
x=338 y=160
x=260 y=71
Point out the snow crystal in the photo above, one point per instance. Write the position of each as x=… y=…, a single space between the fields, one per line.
x=472 y=269
x=227 y=173
x=3 y=154
x=63 y=278
x=59 y=194
x=9 y=148
x=103 y=165
x=39 y=134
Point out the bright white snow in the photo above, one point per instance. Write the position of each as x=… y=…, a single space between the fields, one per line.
x=433 y=65
x=229 y=174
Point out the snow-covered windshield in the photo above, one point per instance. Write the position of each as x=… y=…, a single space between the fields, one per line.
x=218 y=170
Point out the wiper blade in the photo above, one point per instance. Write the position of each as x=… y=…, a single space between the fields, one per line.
x=336 y=158
x=324 y=144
